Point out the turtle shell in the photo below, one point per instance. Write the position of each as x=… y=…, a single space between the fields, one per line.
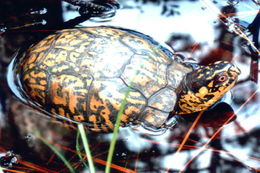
x=83 y=75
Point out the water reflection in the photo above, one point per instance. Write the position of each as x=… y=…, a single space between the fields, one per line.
x=214 y=117
x=7 y=159
x=12 y=79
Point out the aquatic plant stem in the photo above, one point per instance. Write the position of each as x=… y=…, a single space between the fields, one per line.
x=78 y=150
x=189 y=132
x=86 y=147
x=187 y=135
x=53 y=148
x=115 y=132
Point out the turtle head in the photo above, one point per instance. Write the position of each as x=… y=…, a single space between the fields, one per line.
x=204 y=86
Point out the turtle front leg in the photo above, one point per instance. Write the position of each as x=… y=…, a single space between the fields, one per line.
x=155 y=120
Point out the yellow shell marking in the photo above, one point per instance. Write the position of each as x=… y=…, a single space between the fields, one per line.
x=68 y=95
x=78 y=118
x=93 y=119
x=95 y=105
x=47 y=74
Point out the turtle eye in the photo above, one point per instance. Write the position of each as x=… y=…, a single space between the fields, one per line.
x=222 y=78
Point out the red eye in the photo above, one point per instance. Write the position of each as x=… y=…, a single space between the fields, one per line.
x=222 y=78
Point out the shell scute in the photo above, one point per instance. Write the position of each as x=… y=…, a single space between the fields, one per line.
x=146 y=46
x=82 y=74
x=105 y=99
x=176 y=72
x=145 y=75
x=164 y=100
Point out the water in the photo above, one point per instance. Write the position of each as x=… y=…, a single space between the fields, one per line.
x=13 y=80
x=237 y=144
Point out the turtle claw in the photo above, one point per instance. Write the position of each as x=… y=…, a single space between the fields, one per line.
x=170 y=123
x=152 y=131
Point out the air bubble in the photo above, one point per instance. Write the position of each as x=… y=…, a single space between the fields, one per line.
x=43 y=22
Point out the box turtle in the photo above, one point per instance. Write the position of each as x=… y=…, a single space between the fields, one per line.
x=82 y=75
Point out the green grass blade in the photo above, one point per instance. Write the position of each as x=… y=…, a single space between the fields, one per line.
x=78 y=150
x=117 y=125
x=54 y=149
x=115 y=132
x=86 y=147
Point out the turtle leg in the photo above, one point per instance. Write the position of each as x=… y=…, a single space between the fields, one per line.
x=154 y=119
